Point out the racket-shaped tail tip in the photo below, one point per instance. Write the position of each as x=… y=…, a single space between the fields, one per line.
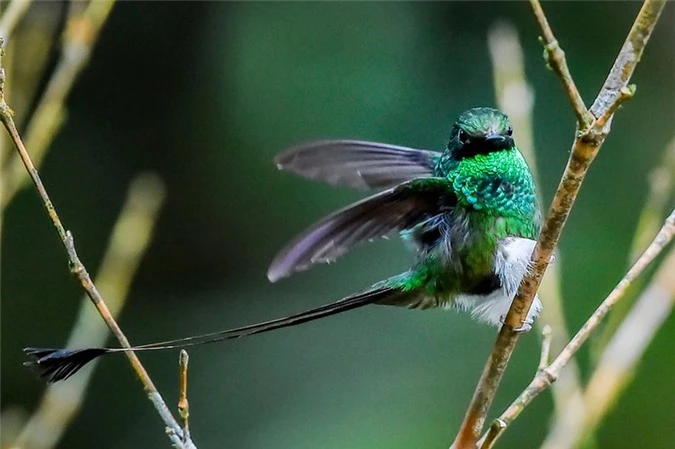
x=54 y=365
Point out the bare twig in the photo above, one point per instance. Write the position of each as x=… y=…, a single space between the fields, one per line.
x=130 y=237
x=515 y=97
x=548 y=375
x=78 y=269
x=78 y=41
x=183 y=404
x=586 y=146
x=631 y=326
x=556 y=61
x=661 y=183
x=616 y=364
x=496 y=428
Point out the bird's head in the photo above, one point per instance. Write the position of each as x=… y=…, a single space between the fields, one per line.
x=480 y=131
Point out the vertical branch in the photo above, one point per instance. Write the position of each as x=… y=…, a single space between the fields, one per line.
x=515 y=97
x=183 y=404
x=585 y=147
x=78 y=269
x=130 y=238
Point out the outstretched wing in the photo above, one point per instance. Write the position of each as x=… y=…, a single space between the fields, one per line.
x=395 y=209
x=359 y=164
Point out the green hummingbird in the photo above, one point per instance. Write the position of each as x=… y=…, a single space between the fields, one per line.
x=469 y=215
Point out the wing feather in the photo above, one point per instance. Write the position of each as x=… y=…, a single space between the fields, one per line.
x=358 y=164
x=391 y=210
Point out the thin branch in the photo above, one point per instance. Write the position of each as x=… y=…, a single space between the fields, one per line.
x=130 y=238
x=515 y=96
x=617 y=362
x=78 y=269
x=78 y=41
x=628 y=58
x=586 y=146
x=556 y=61
x=496 y=428
x=660 y=189
x=625 y=93
x=183 y=404
x=545 y=377
x=632 y=325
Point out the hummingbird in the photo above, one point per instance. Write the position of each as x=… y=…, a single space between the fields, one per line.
x=468 y=214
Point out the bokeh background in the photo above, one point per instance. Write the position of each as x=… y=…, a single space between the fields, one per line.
x=205 y=94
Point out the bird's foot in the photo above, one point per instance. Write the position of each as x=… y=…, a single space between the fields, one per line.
x=525 y=327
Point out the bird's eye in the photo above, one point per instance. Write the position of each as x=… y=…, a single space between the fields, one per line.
x=462 y=136
x=509 y=131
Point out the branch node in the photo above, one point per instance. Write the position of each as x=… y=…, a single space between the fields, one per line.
x=547 y=375
x=625 y=93
x=497 y=427
x=74 y=264
x=552 y=53
x=5 y=110
x=499 y=424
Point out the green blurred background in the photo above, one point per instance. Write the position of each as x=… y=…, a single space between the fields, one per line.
x=206 y=94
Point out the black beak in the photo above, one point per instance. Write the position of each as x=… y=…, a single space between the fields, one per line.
x=497 y=140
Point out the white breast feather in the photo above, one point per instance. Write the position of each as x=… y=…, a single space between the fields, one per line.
x=511 y=263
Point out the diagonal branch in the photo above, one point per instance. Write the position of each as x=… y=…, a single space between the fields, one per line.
x=515 y=97
x=129 y=239
x=546 y=376
x=78 y=269
x=631 y=326
x=585 y=147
